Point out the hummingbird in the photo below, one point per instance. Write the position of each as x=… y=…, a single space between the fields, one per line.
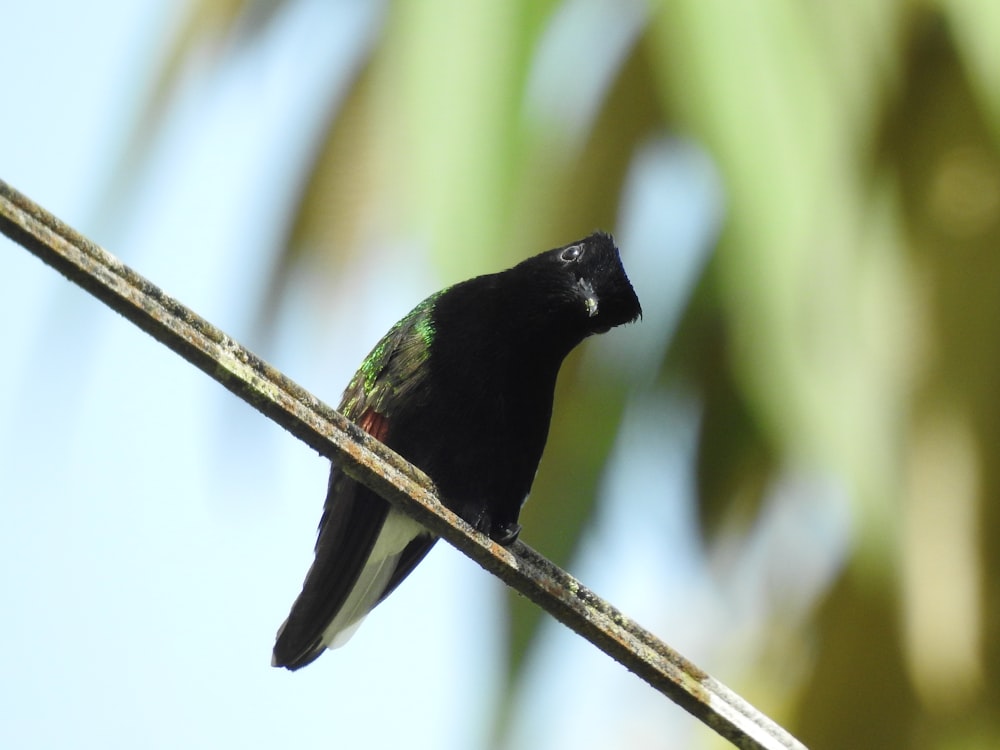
x=461 y=387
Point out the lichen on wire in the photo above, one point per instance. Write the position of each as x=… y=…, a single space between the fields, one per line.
x=333 y=435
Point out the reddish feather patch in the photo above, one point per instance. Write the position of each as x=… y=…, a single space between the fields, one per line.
x=374 y=424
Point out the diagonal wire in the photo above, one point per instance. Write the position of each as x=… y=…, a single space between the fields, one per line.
x=333 y=435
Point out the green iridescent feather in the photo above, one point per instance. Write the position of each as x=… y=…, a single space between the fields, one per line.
x=393 y=369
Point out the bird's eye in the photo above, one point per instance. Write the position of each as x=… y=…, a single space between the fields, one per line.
x=571 y=253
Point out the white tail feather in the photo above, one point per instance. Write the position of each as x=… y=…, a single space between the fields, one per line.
x=397 y=532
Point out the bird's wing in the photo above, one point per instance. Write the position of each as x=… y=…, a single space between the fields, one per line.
x=364 y=548
x=392 y=372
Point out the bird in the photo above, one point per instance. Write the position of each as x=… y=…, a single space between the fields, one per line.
x=462 y=387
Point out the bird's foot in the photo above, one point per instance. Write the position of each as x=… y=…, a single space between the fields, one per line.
x=505 y=534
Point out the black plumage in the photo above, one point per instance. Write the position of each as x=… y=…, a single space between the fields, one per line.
x=461 y=387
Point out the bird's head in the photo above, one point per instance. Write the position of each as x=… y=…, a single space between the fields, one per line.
x=586 y=284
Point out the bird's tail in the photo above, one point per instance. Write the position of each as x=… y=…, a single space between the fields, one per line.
x=364 y=549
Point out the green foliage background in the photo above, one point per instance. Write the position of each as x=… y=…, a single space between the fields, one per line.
x=849 y=320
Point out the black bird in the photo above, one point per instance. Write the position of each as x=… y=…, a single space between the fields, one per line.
x=461 y=387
